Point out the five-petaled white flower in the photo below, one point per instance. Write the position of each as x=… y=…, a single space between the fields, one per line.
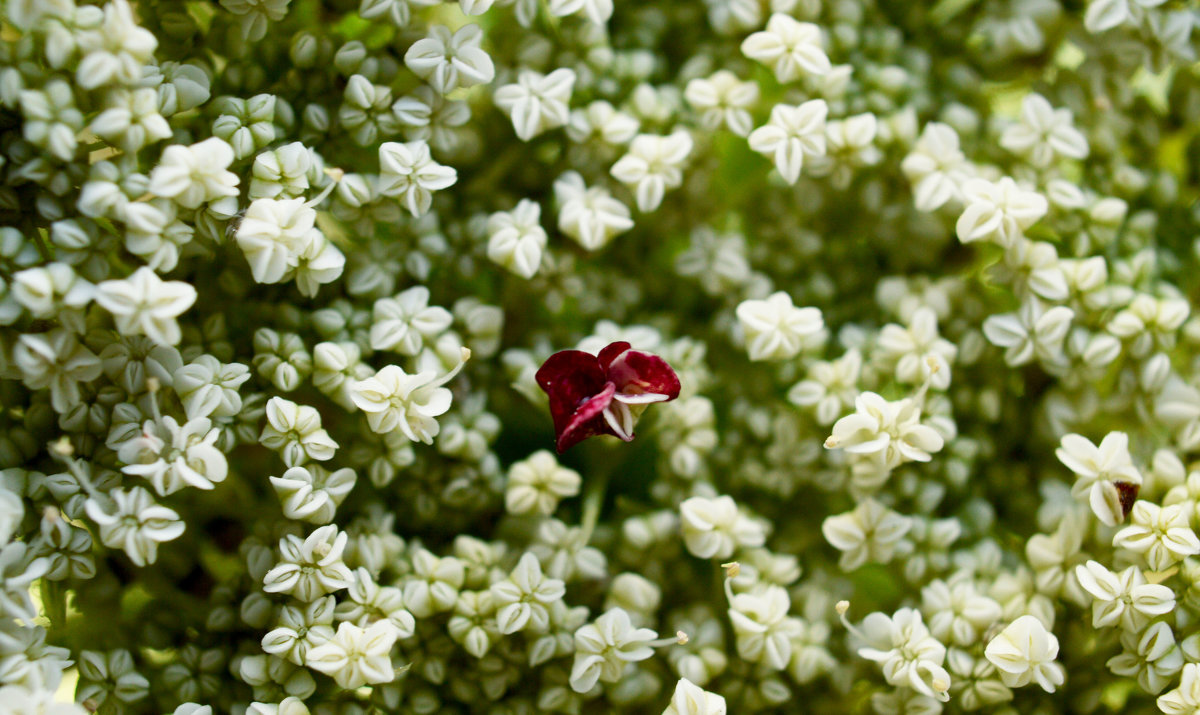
x=603 y=648
x=653 y=165
x=1105 y=474
x=133 y=522
x=776 y=329
x=355 y=656
x=998 y=212
x=591 y=216
x=723 y=99
x=193 y=175
x=447 y=61
x=1044 y=133
x=516 y=238
x=394 y=399
x=891 y=431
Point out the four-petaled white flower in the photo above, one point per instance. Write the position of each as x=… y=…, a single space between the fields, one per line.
x=1106 y=475
x=1033 y=331
x=537 y=102
x=394 y=399
x=590 y=216
x=870 y=533
x=144 y=304
x=1184 y=700
x=723 y=99
x=1161 y=534
x=172 y=456
x=653 y=165
x=312 y=493
x=409 y=172
x=792 y=49
x=776 y=329
x=295 y=432
x=523 y=599
x=516 y=238
x=447 y=61
x=998 y=212
x=713 y=528
x=355 y=656
x=273 y=234
x=1024 y=652
x=406 y=323
x=1123 y=599
x=763 y=629
x=891 y=431
x=792 y=133
x=1044 y=133
x=936 y=167
x=535 y=485
x=311 y=567
x=918 y=351
x=193 y=175
x=908 y=654
x=603 y=648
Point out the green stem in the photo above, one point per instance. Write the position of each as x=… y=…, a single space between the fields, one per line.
x=54 y=600
x=593 y=500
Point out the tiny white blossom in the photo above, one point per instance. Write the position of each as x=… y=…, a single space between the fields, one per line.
x=1185 y=699
x=394 y=399
x=998 y=212
x=713 y=528
x=516 y=238
x=1024 y=652
x=311 y=493
x=889 y=430
x=311 y=567
x=523 y=599
x=723 y=99
x=356 y=656
x=1033 y=331
x=172 y=456
x=598 y=11
x=691 y=699
x=196 y=174
x=1123 y=599
x=407 y=171
x=535 y=485
x=134 y=523
x=1102 y=473
x=869 y=533
x=653 y=165
x=603 y=648
x=114 y=52
x=535 y=102
x=1044 y=133
x=295 y=432
x=590 y=216
x=776 y=329
x=406 y=323
x=789 y=47
x=144 y=304
x=793 y=133
x=448 y=61
x=1161 y=535
x=908 y=654
x=936 y=167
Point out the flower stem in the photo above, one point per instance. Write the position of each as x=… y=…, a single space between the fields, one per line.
x=593 y=500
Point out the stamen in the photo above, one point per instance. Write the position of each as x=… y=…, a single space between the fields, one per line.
x=464 y=356
x=336 y=175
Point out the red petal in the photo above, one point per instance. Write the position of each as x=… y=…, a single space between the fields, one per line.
x=587 y=421
x=637 y=372
x=570 y=378
x=611 y=352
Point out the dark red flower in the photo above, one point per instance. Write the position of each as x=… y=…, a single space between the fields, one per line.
x=605 y=393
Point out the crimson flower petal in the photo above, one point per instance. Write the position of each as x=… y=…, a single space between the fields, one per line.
x=587 y=421
x=636 y=372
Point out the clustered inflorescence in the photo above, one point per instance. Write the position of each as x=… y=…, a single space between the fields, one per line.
x=299 y=297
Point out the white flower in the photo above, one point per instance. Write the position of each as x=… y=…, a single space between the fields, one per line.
x=792 y=133
x=789 y=47
x=447 y=61
x=691 y=699
x=207 y=387
x=1123 y=599
x=196 y=174
x=407 y=171
x=830 y=387
x=535 y=485
x=115 y=51
x=1025 y=651
x=1104 y=15
x=713 y=528
x=300 y=629
x=172 y=456
x=763 y=629
x=1103 y=472
x=908 y=655
x=523 y=599
x=653 y=165
x=891 y=431
x=312 y=493
x=871 y=532
x=999 y=212
x=603 y=648
x=1044 y=133
x=957 y=612
x=590 y=216
x=295 y=431
x=1160 y=534
x=1184 y=700
x=603 y=122
x=918 y=351
x=535 y=102
x=12 y=510
x=20 y=700
x=936 y=167
x=407 y=322
x=434 y=584
x=1033 y=331
x=144 y=304
x=58 y=361
x=393 y=399
x=356 y=656
x=1153 y=657
x=52 y=291
x=776 y=329
x=135 y=523
x=598 y=11
x=312 y=567
x=254 y=15
x=723 y=99
x=272 y=234
x=516 y=238
x=131 y=119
